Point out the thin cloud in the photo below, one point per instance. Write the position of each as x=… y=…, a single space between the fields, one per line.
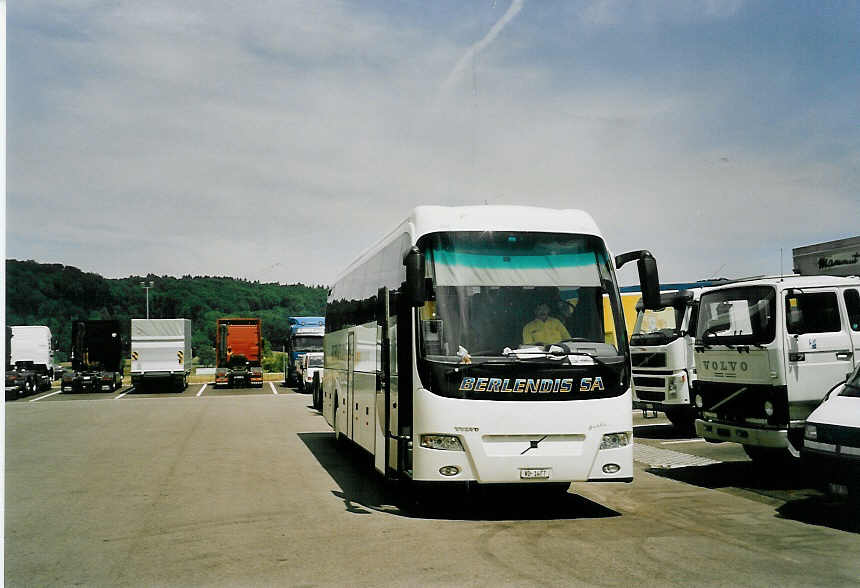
x=464 y=61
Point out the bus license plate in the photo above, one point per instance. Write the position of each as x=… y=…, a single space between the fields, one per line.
x=534 y=473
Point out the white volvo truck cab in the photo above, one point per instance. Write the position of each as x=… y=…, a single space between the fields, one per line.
x=767 y=351
x=661 y=349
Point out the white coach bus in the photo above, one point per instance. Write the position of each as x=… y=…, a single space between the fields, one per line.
x=425 y=365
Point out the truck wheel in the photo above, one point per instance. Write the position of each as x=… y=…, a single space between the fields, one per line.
x=684 y=421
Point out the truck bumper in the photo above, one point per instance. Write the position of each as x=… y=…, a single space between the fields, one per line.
x=711 y=431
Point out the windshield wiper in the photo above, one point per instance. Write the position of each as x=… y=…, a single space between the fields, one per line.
x=467 y=367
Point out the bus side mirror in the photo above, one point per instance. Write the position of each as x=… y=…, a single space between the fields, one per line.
x=415 y=283
x=649 y=281
x=382 y=306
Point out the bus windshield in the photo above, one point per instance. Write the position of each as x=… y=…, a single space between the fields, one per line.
x=498 y=292
x=735 y=316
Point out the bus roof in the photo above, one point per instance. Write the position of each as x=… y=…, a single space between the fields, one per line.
x=423 y=220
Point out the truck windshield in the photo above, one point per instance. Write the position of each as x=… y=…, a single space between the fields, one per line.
x=315 y=361
x=501 y=290
x=658 y=327
x=734 y=316
x=304 y=343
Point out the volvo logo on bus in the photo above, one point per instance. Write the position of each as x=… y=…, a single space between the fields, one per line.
x=530 y=385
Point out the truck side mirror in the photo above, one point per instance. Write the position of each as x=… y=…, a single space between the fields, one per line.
x=415 y=284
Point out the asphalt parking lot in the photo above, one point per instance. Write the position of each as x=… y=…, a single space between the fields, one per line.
x=248 y=487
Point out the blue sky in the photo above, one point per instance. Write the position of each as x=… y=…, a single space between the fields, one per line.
x=275 y=140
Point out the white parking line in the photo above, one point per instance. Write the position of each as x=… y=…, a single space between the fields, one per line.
x=666 y=458
x=45 y=396
x=275 y=392
x=683 y=441
x=123 y=394
x=202 y=389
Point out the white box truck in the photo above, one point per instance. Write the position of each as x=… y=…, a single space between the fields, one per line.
x=30 y=362
x=160 y=353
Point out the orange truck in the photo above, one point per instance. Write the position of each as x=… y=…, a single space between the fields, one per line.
x=238 y=351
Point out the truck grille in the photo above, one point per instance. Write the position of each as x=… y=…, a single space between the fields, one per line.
x=747 y=404
x=649 y=359
x=649 y=395
x=649 y=382
x=845 y=436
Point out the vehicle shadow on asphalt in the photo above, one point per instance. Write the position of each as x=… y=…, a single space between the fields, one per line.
x=804 y=502
x=363 y=490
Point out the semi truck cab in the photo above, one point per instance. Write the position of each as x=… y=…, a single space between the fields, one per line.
x=661 y=350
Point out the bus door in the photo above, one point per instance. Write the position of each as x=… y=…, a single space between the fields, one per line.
x=387 y=459
x=350 y=382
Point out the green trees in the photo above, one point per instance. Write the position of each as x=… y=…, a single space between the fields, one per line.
x=54 y=295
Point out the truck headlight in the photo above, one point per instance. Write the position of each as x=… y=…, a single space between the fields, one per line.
x=810 y=432
x=614 y=440
x=444 y=442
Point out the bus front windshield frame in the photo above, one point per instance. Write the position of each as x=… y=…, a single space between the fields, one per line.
x=487 y=288
x=743 y=315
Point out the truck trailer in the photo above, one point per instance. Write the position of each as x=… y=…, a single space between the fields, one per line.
x=29 y=360
x=160 y=353
x=96 y=357
x=238 y=352
x=306 y=335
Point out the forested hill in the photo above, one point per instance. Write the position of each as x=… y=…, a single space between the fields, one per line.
x=54 y=295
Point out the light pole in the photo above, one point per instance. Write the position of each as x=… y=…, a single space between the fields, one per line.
x=147 y=286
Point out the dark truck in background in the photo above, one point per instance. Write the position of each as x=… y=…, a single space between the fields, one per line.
x=238 y=352
x=96 y=356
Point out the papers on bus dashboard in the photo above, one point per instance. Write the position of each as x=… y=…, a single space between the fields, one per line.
x=554 y=352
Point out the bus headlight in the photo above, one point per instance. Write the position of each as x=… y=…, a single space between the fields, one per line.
x=768 y=408
x=614 y=440
x=444 y=442
x=810 y=432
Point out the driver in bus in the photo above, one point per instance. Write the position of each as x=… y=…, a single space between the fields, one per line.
x=544 y=329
